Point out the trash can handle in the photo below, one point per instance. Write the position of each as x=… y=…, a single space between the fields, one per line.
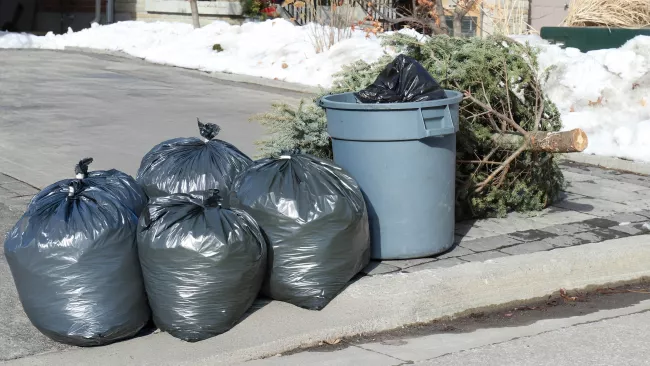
x=436 y=122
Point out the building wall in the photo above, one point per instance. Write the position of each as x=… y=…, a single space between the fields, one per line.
x=179 y=10
x=59 y=15
x=497 y=16
x=548 y=13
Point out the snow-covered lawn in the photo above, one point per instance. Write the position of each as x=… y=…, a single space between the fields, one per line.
x=274 y=49
x=606 y=93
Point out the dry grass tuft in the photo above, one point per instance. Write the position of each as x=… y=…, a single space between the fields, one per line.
x=329 y=27
x=608 y=13
x=508 y=17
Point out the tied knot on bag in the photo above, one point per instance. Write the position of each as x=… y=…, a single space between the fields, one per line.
x=74 y=188
x=288 y=153
x=212 y=198
x=81 y=169
x=208 y=130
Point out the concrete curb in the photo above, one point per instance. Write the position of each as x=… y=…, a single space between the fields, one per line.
x=237 y=78
x=382 y=303
x=609 y=163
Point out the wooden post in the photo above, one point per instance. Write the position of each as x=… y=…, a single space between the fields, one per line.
x=195 y=14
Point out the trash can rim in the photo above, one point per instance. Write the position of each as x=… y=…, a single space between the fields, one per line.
x=453 y=97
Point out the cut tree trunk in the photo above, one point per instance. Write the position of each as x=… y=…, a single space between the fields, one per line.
x=195 y=13
x=462 y=8
x=458 y=25
x=442 y=19
x=555 y=142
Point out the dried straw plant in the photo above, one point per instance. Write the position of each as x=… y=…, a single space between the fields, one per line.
x=609 y=13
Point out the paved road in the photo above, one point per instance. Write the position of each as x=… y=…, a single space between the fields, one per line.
x=57 y=107
x=617 y=337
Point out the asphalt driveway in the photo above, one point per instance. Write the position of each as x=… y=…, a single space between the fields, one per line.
x=58 y=107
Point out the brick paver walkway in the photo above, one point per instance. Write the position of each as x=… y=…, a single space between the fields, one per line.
x=597 y=205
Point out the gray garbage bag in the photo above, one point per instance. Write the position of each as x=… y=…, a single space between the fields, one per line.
x=315 y=220
x=74 y=260
x=184 y=165
x=203 y=263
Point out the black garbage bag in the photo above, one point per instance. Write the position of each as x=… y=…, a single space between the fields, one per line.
x=74 y=260
x=203 y=263
x=316 y=223
x=184 y=165
x=403 y=80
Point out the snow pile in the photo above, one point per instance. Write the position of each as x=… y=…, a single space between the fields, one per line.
x=604 y=92
x=275 y=49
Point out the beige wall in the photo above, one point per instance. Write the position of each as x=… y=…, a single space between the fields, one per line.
x=77 y=15
x=547 y=13
x=179 y=10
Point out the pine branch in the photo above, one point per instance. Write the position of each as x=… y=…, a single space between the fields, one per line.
x=503 y=166
x=503 y=117
x=507 y=82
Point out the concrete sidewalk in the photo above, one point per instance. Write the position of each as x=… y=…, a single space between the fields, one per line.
x=598 y=234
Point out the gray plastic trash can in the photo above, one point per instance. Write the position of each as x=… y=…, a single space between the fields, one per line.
x=404 y=157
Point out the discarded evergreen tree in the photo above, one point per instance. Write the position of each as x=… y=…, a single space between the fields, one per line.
x=507 y=137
